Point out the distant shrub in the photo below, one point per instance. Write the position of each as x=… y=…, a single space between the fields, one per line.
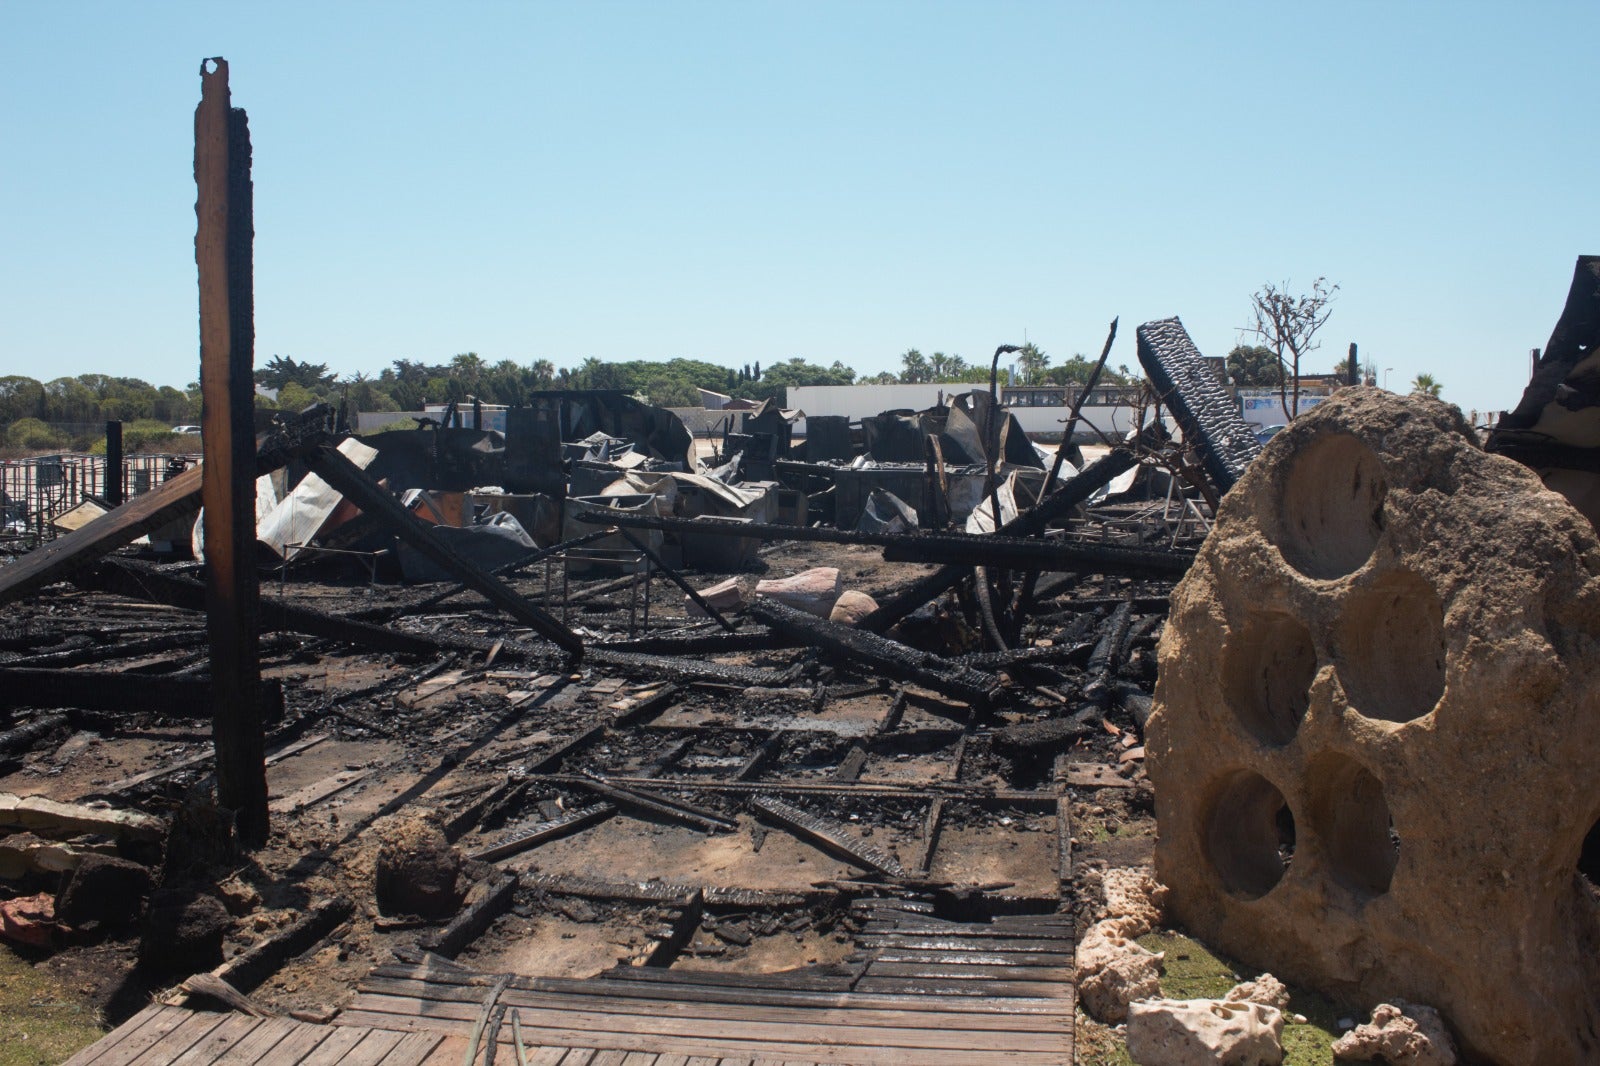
x=34 y=434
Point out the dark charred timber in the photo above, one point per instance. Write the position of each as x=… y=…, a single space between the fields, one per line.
x=126 y=577
x=1135 y=702
x=223 y=248
x=25 y=736
x=1209 y=418
x=895 y=608
x=662 y=806
x=884 y=655
x=519 y=842
x=361 y=490
x=1016 y=553
x=657 y=667
x=1103 y=661
x=250 y=968
x=104 y=653
x=1060 y=652
x=486 y=901
x=105 y=690
x=1557 y=383
x=704 y=643
x=830 y=835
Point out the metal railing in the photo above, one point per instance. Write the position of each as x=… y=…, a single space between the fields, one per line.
x=35 y=492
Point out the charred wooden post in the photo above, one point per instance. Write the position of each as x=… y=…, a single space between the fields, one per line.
x=113 y=486
x=890 y=657
x=223 y=244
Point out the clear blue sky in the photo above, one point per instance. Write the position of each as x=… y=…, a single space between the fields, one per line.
x=749 y=182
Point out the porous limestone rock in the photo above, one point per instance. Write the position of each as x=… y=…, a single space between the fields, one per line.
x=813 y=591
x=1374 y=744
x=1400 y=1034
x=417 y=870
x=1204 y=1032
x=1264 y=989
x=852 y=608
x=1132 y=891
x=1112 y=969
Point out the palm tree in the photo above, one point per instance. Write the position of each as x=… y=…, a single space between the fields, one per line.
x=1426 y=385
x=1032 y=360
x=916 y=367
x=543 y=371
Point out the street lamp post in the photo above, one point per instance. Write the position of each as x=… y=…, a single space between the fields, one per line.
x=1386 y=376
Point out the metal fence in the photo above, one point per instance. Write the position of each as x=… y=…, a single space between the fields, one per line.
x=35 y=492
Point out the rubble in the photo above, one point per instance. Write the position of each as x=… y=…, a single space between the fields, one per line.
x=1400 y=1034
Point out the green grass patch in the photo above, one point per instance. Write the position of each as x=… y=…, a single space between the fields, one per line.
x=1193 y=971
x=41 y=1022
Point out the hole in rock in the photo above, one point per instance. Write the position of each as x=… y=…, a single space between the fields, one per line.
x=1332 y=507
x=1249 y=834
x=1390 y=648
x=1589 y=862
x=1268 y=664
x=1350 y=816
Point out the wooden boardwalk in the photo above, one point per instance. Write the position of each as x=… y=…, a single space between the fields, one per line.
x=159 y=1036
x=920 y=992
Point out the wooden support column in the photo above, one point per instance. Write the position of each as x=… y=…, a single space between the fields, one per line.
x=222 y=247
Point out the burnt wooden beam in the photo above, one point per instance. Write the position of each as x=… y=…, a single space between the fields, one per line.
x=831 y=836
x=119 y=692
x=486 y=901
x=129 y=578
x=359 y=487
x=570 y=822
x=886 y=656
x=251 y=967
x=223 y=254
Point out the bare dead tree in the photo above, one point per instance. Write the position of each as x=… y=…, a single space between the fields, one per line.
x=1287 y=324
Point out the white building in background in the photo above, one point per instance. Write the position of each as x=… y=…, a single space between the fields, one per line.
x=1263 y=406
x=1041 y=410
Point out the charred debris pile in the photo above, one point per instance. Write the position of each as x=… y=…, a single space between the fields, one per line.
x=885 y=642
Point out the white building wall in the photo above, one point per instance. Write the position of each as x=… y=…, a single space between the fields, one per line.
x=862 y=401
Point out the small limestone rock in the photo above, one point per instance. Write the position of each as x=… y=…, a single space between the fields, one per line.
x=239 y=896
x=1264 y=989
x=1113 y=970
x=813 y=591
x=852 y=608
x=1134 y=892
x=1401 y=1034
x=1204 y=1032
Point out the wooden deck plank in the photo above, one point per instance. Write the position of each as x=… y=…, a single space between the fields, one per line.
x=967 y=971
x=338 y=1042
x=127 y=1034
x=234 y=1028
x=301 y=1042
x=1058 y=959
x=930 y=1018
x=414 y=1049
x=192 y=1027
x=918 y=986
x=373 y=1048
x=257 y=1047
x=1058 y=1051
x=599 y=1024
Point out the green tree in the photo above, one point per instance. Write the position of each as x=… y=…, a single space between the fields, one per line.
x=914 y=367
x=282 y=370
x=1077 y=369
x=1253 y=364
x=1426 y=385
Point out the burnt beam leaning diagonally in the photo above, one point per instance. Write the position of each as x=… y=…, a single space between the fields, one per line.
x=1207 y=415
